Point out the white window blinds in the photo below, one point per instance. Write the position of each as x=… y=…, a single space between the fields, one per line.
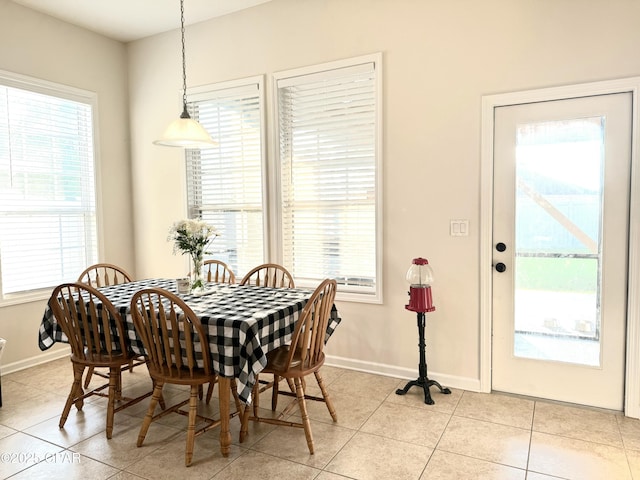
x=224 y=184
x=328 y=124
x=47 y=192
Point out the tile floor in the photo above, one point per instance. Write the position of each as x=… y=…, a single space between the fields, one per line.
x=379 y=435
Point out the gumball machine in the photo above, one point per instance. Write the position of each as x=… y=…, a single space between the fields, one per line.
x=420 y=277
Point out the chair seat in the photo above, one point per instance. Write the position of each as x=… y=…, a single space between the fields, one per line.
x=277 y=363
x=182 y=376
x=102 y=359
x=277 y=359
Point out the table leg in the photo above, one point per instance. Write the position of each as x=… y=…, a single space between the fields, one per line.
x=224 y=390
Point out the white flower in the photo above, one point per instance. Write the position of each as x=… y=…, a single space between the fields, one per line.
x=191 y=236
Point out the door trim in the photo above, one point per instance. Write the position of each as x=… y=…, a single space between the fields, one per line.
x=489 y=103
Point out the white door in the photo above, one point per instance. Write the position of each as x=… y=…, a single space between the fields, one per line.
x=560 y=210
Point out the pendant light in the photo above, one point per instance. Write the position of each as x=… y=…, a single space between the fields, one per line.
x=185 y=132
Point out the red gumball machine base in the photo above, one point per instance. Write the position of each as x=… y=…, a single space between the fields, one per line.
x=420 y=299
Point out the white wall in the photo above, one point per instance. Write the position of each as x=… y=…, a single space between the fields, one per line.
x=439 y=59
x=39 y=46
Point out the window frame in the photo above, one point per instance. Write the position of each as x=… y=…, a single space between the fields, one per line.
x=376 y=295
x=56 y=90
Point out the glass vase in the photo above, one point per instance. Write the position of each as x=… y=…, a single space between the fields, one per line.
x=197 y=282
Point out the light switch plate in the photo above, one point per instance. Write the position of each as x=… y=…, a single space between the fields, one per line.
x=459 y=228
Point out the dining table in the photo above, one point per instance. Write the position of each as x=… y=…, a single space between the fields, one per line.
x=242 y=323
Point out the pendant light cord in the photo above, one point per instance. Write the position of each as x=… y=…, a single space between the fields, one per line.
x=185 y=113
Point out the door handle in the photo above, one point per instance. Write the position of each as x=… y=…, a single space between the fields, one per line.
x=501 y=267
x=501 y=247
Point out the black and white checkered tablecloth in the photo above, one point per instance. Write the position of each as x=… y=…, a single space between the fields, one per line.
x=243 y=323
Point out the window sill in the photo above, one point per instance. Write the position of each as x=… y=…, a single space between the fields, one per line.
x=22 y=298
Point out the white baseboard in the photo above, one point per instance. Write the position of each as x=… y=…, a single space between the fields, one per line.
x=37 y=360
x=462 y=383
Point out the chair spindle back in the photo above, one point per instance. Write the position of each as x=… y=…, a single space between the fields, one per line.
x=307 y=342
x=169 y=330
x=219 y=272
x=104 y=275
x=269 y=275
x=89 y=320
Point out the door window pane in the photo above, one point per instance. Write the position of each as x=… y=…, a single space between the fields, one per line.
x=559 y=173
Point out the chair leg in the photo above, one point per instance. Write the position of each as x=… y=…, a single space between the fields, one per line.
x=78 y=370
x=148 y=418
x=87 y=379
x=255 y=397
x=114 y=382
x=303 y=412
x=79 y=403
x=325 y=395
x=118 y=385
x=191 y=427
x=274 y=392
x=210 y=392
x=160 y=402
x=236 y=397
x=244 y=428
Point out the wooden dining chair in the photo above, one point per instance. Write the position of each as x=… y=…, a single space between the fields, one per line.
x=303 y=356
x=104 y=275
x=217 y=271
x=173 y=339
x=97 y=338
x=269 y=275
x=276 y=276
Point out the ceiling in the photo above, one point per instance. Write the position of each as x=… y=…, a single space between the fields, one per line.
x=127 y=20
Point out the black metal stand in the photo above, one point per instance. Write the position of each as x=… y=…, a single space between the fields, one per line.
x=422 y=381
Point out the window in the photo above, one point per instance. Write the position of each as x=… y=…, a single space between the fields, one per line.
x=329 y=166
x=316 y=208
x=47 y=191
x=224 y=184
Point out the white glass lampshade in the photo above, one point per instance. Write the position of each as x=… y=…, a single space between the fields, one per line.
x=186 y=133
x=420 y=273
